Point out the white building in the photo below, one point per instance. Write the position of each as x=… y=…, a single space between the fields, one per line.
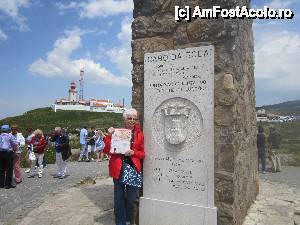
x=93 y=105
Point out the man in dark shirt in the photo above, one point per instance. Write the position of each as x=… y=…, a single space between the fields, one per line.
x=91 y=142
x=261 y=147
x=61 y=142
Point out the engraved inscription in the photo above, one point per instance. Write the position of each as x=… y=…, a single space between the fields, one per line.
x=177 y=173
x=186 y=77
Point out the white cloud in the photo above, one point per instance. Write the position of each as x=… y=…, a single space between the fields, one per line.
x=122 y=56
x=99 y=8
x=281 y=4
x=59 y=62
x=3 y=36
x=277 y=57
x=265 y=24
x=71 y=5
x=125 y=34
x=12 y=9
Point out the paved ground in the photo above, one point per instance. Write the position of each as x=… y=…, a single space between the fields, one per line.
x=93 y=206
x=52 y=201
x=17 y=202
x=278 y=202
x=289 y=176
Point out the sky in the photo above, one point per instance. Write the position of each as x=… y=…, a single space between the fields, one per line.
x=45 y=43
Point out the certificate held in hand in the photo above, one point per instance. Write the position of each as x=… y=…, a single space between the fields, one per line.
x=120 y=142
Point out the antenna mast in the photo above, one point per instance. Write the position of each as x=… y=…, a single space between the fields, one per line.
x=81 y=85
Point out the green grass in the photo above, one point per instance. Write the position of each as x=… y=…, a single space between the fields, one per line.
x=290 y=133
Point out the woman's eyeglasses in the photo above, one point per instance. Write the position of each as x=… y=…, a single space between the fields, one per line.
x=132 y=119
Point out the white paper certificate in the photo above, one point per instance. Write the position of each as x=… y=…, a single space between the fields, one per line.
x=120 y=142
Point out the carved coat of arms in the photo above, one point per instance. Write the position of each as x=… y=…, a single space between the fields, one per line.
x=175 y=123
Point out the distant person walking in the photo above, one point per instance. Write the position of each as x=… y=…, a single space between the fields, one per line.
x=274 y=140
x=17 y=154
x=91 y=143
x=83 y=143
x=8 y=145
x=62 y=148
x=261 y=147
x=38 y=146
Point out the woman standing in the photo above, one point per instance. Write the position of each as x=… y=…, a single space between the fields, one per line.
x=17 y=154
x=126 y=195
x=99 y=145
x=38 y=143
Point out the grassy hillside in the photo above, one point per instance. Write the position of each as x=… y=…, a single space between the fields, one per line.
x=46 y=119
x=286 y=108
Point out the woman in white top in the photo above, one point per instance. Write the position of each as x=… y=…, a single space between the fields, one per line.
x=17 y=153
x=99 y=145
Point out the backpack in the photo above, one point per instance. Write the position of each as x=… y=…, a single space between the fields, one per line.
x=100 y=143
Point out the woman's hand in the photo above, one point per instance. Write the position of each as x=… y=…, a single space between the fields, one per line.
x=129 y=153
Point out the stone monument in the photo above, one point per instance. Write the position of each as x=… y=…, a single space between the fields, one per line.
x=154 y=29
x=179 y=131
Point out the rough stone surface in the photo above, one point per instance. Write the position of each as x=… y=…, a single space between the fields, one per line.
x=276 y=204
x=236 y=185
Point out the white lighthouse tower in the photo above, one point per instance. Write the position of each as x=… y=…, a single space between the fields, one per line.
x=73 y=92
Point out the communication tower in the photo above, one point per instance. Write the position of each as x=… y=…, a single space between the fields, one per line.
x=81 y=85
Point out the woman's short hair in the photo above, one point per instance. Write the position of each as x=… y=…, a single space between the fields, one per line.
x=57 y=129
x=129 y=112
x=99 y=133
x=38 y=132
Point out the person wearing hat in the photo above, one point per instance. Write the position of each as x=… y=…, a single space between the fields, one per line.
x=8 y=145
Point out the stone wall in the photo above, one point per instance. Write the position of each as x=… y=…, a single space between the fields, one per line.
x=154 y=29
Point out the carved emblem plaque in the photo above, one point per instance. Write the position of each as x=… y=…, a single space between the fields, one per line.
x=178 y=121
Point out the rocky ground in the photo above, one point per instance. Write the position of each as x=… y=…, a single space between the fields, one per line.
x=69 y=201
x=278 y=202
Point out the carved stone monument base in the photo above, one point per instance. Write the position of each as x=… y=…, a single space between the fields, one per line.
x=157 y=212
